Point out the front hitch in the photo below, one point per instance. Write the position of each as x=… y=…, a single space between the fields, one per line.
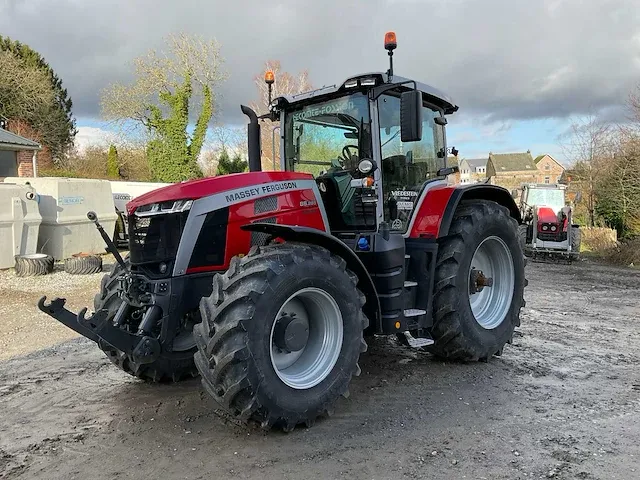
x=141 y=349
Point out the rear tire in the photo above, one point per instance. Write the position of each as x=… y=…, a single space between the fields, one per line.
x=457 y=333
x=33 y=264
x=169 y=366
x=236 y=356
x=576 y=239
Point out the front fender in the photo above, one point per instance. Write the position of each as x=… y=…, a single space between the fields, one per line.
x=314 y=236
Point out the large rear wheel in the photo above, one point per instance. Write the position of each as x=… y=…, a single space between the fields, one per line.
x=281 y=335
x=479 y=283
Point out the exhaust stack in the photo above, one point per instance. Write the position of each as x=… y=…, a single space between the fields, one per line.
x=253 y=139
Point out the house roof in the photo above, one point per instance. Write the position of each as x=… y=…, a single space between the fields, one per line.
x=477 y=162
x=512 y=162
x=540 y=157
x=11 y=141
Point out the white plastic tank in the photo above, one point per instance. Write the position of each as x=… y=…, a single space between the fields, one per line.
x=131 y=190
x=64 y=203
x=19 y=222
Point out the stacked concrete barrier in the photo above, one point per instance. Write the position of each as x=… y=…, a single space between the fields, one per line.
x=19 y=222
x=64 y=203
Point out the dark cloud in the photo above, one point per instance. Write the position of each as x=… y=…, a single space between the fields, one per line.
x=500 y=59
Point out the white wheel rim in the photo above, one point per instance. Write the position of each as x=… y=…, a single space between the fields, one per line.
x=34 y=256
x=491 y=305
x=306 y=368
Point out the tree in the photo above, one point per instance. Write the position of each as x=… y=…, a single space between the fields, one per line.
x=618 y=197
x=113 y=167
x=228 y=165
x=285 y=84
x=47 y=113
x=589 y=144
x=168 y=87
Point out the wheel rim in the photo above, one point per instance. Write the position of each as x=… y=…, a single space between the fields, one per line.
x=307 y=367
x=491 y=303
x=35 y=256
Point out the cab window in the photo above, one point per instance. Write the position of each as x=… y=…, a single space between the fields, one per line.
x=406 y=166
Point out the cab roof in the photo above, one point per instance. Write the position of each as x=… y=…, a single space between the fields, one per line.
x=432 y=94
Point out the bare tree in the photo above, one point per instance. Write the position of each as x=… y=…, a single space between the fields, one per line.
x=590 y=145
x=166 y=89
x=285 y=84
x=132 y=106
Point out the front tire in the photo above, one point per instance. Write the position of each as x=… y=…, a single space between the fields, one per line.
x=245 y=366
x=468 y=325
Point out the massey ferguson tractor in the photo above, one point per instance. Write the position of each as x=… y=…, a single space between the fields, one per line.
x=268 y=283
x=548 y=231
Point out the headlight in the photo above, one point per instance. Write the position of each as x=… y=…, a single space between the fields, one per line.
x=545 y=227
x=553 y=228
x=163 y=208
x=365 y=166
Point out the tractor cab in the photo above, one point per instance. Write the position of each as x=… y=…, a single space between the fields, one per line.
x=372 y=143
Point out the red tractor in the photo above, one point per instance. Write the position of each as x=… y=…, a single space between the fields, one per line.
x=548 y=231
x=267 y=284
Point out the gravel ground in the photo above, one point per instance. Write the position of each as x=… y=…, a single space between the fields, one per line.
x=22 y=323
x=562 y=402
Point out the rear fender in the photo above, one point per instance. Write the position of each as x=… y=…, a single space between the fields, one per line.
x=481 y=191
x=314 y=236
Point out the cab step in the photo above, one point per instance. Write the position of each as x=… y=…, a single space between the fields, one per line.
x=417 y=342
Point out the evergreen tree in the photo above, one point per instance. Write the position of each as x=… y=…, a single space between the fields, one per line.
x=228 y=165
x=113 y=166
x=53 y=120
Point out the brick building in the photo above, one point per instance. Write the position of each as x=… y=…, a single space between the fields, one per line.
x=510 y=170
x=550 y=170
x=18 y=155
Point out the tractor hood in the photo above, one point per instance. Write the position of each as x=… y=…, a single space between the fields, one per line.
x=547 y=215
x=194 y=189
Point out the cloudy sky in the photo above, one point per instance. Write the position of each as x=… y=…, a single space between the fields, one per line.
x=519 y=69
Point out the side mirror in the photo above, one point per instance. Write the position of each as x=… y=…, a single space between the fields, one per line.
x=411 y=116
x=514 y=193
x=578 y=198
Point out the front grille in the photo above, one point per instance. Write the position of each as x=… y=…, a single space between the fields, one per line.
x=266 y=204
x=261 y=238
x=552 y=236
x=155 y=238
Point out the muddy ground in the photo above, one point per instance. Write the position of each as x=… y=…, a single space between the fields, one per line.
x=562 y=402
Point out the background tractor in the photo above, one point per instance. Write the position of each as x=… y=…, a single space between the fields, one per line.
x=548 y=231
x=267 y=284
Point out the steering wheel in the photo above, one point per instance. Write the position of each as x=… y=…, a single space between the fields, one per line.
x=346 y=152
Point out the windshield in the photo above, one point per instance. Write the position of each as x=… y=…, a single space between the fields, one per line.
x=331 y=134
x=328 y=139
x=547 y=197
